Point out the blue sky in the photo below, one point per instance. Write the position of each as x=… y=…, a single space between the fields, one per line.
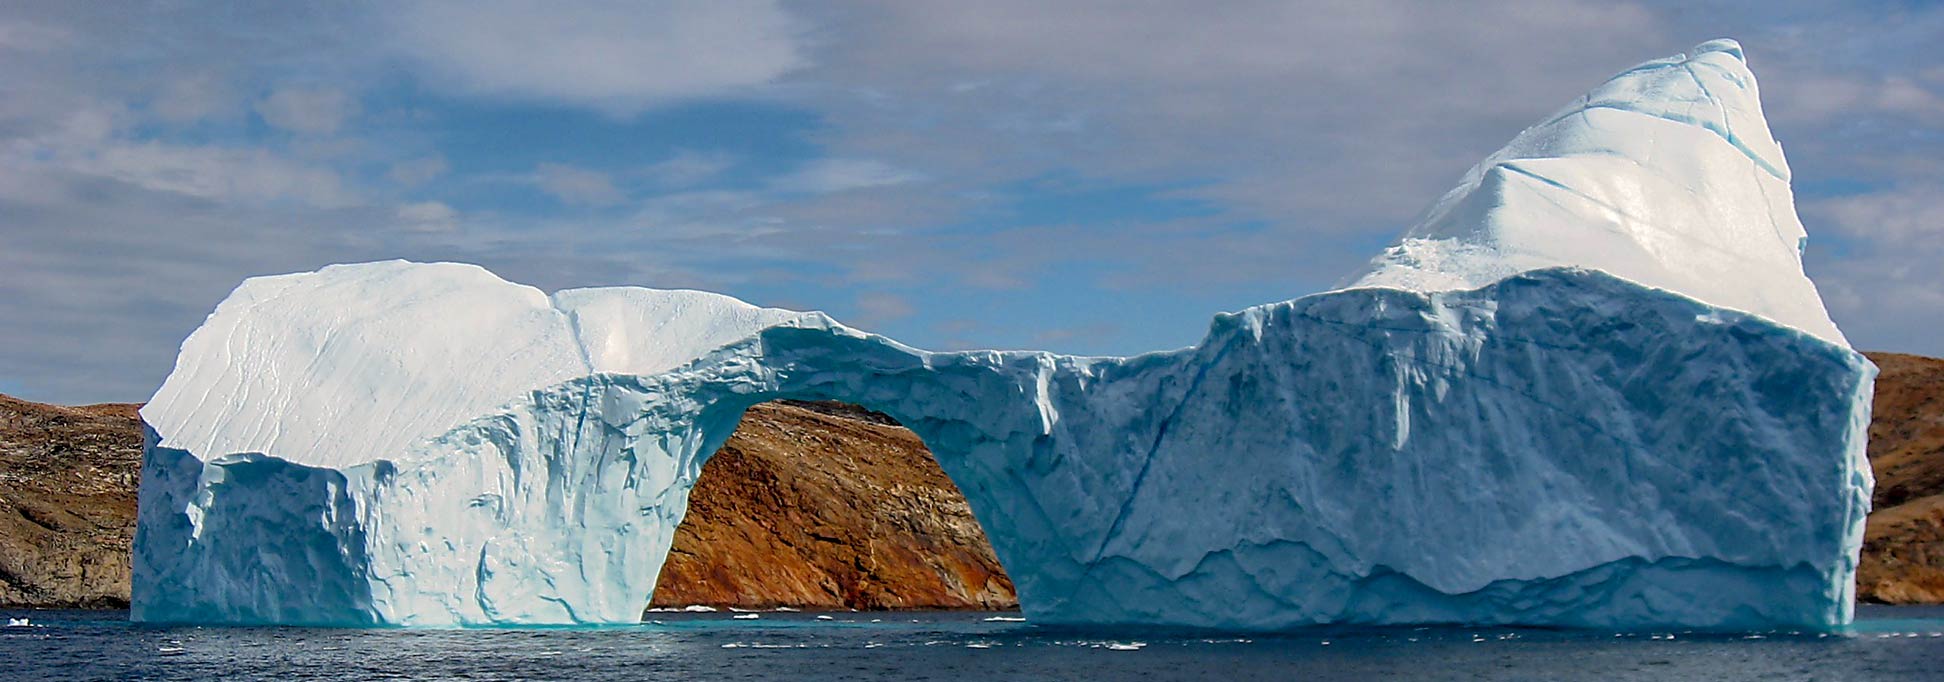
x=1079 y=177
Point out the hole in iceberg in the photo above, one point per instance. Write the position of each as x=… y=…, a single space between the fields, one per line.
x=828 y=505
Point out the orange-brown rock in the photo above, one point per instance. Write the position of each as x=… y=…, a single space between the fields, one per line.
x=67 y=503
x=820 y=505
x=1903 y=548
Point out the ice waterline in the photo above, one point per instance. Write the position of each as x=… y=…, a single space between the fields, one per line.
x=1593 y=387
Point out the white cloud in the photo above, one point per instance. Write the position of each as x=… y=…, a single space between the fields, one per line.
x=1315 y=117
x=27 y=36
x=615 y=57
x=825 y=176
x=91 y=146
x=574 y=185
x=1320 y=127
x=413 y=172
x=1904 y=217
x=1833 y=98
x=313 y=111
x=85 y=127
x=688 y=168
x=711 y=216
x=877 y=308
x=1883 y=285
x=220 y=173
x=428 y=216
x=191 y=98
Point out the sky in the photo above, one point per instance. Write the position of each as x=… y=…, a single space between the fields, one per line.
x=1082 y=177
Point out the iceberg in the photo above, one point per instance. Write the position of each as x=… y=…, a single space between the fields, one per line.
x=1592 y=387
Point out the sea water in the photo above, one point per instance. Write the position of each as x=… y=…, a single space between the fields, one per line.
x=1886 y=643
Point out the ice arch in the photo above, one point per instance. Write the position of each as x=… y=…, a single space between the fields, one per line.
x=1559 y=447
x=1593 y=388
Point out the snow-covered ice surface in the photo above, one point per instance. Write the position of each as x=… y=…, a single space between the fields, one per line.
x=1592 y=388
x=1665 y=175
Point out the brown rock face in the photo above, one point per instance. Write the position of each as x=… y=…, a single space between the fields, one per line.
x=819 y=506
x=67 y=503
x=822 y=505
x=1903 y=547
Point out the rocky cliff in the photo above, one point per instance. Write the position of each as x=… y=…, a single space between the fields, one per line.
x=1903 y=548
x=67 y=502
x=818 y=505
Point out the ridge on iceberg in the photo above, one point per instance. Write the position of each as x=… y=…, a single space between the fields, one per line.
x=1591 y=388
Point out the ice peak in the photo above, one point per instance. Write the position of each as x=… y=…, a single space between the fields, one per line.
x=1723 y=45
x=1665 y=175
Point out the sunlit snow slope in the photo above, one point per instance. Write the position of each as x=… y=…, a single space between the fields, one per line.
x=1592 y=388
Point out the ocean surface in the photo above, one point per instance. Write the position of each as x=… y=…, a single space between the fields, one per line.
x=1887 y=643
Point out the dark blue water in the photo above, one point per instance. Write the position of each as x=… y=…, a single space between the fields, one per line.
x=1887 y=643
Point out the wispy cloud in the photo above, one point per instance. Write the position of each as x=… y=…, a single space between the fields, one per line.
x=190 y=98
x=418 y=171
x=575 y=185
x=689 y=168
x=877 y=308
x=617 y=57
x=428 y=216
x=314 y=111
x=965 y=174
x=826 y=176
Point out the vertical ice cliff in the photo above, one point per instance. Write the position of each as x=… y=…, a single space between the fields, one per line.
x=1592 y=388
